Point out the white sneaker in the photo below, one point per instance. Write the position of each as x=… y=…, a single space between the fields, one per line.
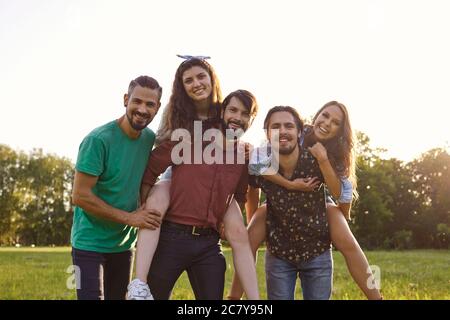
x=138 y=290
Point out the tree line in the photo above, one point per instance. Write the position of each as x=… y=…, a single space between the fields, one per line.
x=401 y=205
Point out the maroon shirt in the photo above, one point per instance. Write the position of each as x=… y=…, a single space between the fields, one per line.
x=199 y=193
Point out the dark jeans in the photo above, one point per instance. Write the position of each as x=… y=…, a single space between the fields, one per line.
x=200 y=255
x=102 y=276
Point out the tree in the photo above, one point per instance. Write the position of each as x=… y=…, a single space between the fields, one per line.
x=11 y=164
x=46 y=213
x=34 y=198
x=431 y=175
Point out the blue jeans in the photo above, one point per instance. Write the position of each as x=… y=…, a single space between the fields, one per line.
x=316 y=277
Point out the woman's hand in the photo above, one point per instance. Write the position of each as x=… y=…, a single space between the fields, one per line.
x=304 y=184
x=319 y=152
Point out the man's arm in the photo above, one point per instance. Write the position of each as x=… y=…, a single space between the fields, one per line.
x=83 y=197
x=145 y=190
x=159 y=160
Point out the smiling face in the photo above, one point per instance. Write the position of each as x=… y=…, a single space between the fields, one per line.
x=197 y=83
x=236 y=115
x=288 y=132
x=142 y=105
x=328 y=123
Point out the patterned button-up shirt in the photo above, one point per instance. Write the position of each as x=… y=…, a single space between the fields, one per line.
x=296 y=224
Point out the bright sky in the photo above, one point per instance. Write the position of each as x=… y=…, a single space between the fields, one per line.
x=65 y=65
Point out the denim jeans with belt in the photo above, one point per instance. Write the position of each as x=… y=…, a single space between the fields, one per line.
x=200 y=255
x=316 y=277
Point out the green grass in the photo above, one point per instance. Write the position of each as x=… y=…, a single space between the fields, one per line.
x=41 y=273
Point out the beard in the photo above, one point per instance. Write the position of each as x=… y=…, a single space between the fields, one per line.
x=238 y=132
x=287 y=150
x=135 y=125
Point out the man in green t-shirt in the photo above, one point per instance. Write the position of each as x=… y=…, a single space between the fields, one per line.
x=110 y=164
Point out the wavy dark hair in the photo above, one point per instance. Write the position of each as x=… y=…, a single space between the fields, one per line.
x=247 y=99
x=299 y=123
x=180 y=112
x=341 y=147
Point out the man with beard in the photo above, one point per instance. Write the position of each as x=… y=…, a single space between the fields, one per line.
x=110 y=164
x=200 y=194
x=297 y=235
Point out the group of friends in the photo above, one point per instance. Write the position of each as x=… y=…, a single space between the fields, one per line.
x=131 y=192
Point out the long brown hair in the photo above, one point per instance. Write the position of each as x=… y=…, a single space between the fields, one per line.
x=180 y=112
x=340 y=148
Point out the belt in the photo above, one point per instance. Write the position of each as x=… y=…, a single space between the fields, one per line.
x=188 y=229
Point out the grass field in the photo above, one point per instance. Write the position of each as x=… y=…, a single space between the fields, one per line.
x=41 y=273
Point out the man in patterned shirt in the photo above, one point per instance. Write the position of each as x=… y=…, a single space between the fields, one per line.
x=297 y=235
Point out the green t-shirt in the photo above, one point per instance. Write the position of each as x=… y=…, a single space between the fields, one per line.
x=119 y=163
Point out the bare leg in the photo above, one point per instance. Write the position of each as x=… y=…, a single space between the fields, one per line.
x=345 y=242
x=256 y=233
x=158 y=200
x=244 y=264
